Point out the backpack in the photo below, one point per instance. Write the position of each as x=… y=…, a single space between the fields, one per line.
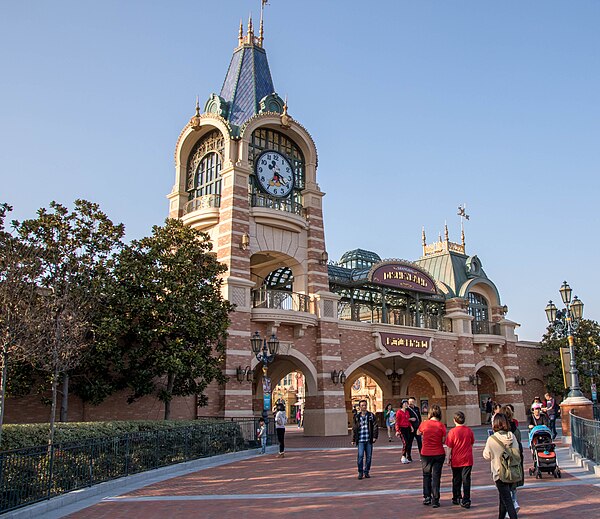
x=510 y=464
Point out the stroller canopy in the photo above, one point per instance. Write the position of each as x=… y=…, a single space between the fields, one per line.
x=540 y=430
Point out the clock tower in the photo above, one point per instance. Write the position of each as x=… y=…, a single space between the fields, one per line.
x=246 y=174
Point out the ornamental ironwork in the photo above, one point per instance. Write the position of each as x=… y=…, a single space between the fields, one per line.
x=212 y=142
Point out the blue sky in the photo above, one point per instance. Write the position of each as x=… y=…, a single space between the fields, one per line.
x=416 y=107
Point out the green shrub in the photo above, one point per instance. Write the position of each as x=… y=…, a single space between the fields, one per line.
x=18 y=436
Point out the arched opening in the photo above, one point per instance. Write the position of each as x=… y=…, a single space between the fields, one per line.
x=203 y=172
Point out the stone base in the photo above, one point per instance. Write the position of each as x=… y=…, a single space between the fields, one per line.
x=579 y=406
x=325 y=422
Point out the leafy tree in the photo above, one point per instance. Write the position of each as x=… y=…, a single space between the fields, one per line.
x=75 y=251
x=165 y=327
x=18 y=269
x=586 y=343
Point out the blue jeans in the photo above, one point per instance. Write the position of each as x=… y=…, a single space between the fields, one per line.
x=263 y=443
x=364 y=448
x=552 y=425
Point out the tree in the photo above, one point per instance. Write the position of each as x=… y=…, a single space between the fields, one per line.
x=18 y=269
x=75 y=251
x=586 y=343
x=167 y=336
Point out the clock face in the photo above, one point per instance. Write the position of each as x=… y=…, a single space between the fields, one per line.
x=274 y=173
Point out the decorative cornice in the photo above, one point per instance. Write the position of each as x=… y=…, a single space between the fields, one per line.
x=201 y=117
x=291 y=121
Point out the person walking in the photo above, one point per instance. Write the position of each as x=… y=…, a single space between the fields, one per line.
x=280 y=422
x=489 y=407
x=364 y=434
x=433 y=454
x=389 y=415
x=549 y=407
x=537 y=417
x=495 y=447
x=460 y=442
x=403 y=429
x=507 y=410
x=415 y=421
x=261 y=435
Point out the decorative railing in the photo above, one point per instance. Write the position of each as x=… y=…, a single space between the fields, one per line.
x=202 y=202
x=280 y=204
x=485 y=328
x=368 y=314
x=280 y=300
x=585 y=437
x=35 y=474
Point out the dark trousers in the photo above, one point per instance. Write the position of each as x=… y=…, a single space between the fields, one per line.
x=405 y=435
x=365 y=451
x=506 y=505
x=461 y=477
x=432 y=474
x=552 y=425
x=281 y=438
x=413 y=435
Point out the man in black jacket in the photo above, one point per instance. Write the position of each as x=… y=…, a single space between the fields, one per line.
x=415 y=420
x=365 y=432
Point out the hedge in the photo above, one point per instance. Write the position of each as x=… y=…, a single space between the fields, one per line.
x=17 y=436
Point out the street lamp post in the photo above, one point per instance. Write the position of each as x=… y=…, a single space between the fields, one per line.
x=564 y=323
x=265 y=351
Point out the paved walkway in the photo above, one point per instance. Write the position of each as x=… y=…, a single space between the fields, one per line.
x=317 y=478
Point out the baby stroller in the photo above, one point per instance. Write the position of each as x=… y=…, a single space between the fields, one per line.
x=543 y=452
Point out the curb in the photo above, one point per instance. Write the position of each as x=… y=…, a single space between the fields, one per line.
x=584 y=463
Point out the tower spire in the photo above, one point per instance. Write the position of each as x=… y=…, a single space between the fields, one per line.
x=424 y=240
x=250 y=35
x=241 y=34
x=261 y=31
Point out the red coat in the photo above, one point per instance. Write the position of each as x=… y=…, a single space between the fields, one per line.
x=402 y=419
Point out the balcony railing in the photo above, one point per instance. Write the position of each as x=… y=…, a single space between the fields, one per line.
x=280 y=300
x=367 y=314
x=485 y=328
x=585 y=437
x=286 y=205
x=202 y=202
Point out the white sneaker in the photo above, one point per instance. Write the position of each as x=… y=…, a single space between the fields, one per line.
x=404 y=460
x=517 y=507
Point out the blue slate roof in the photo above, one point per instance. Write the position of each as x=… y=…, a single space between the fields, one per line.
x=248 y=80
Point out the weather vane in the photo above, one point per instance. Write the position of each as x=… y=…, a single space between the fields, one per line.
x=462 y=212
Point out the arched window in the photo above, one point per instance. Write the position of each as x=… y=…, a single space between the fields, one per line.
x=280 y=279
x=203 y=181
x=265 y=139
x=478 y=307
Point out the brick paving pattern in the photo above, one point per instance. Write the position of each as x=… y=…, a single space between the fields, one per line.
x=317 y=478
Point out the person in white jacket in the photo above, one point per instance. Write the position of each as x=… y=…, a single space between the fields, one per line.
x=493 y=451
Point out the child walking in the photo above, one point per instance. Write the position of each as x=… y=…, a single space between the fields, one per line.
x=261 y=434
x=460 y=442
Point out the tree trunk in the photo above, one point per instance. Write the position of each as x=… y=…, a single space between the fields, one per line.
x=53 y=412
x=64 y=403
x=170 y=384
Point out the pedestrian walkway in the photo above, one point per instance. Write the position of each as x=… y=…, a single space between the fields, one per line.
x=317 y=478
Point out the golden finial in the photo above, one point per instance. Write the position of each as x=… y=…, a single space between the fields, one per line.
x=285 y=118
x=423 y=236
x=446 y=231
x=250 y=35
x=462 y=234
x=261 y=33
x=195 y=121
x=241 y=34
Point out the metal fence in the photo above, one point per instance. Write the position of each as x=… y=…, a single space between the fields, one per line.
x=34 y=474
x=585 y=437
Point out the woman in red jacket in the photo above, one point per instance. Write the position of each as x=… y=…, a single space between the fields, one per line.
x=403 y=428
